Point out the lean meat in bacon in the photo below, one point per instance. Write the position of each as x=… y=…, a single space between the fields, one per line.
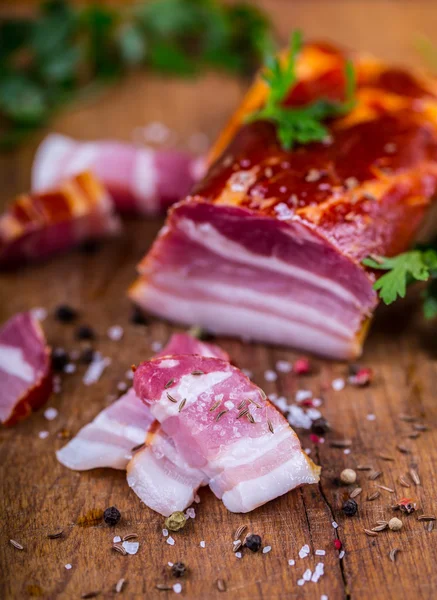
x=139 y=179
x=222 y=425
x=25 y=368
x=109 y=439
x=269 y=244
x=37 y=226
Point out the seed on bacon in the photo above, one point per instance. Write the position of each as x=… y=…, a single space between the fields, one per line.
x=269 y=423
x=170 y=397
x=242 y=413
x=169 y=383
x=220 y=414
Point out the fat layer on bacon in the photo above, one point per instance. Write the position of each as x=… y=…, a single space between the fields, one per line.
x=25 y=368
x=140 y=180
x=269 y=244
x=221 y=424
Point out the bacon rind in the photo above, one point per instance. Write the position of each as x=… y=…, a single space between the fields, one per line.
x=140 y=180
x=363 y=192
x=22 y=333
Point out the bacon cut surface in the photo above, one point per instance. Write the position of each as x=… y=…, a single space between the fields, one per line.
x=269 y=244
x=25 y=368
x=139 y=179
x=109 y=439
x=222 y=425
x=40 y=225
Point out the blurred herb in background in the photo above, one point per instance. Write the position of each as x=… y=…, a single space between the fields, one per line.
x=65 y=52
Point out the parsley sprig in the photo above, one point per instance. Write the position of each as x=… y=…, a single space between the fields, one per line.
x=66 y=51
x=299 y=124
x=419 y=264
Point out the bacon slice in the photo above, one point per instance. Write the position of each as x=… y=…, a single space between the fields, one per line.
x=269 y=244
x=139 y=179
x=109 y=439
x=37 y=226
x=221 y=424
x=25 y=368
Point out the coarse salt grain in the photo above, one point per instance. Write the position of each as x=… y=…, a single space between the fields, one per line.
x=307 y=575
x=283 y=366
x=177 y=588
x=334 y=524
x=170 y=541
x=191 y=513
x=165 y=532
x=266 y=549
x=43 y=435
x=170 y=564
x=314 y=414
x=156 y=346
x=283 y=211
x=229 y=405
x=317 y=402
x=39 y=313
x=347 y=451
x=238 y=554
x=122 y=386
x=338 y=384
x=197 y=499
x=50 y=413
x=68 y=566
x=116 y=539
x=320 y=552
x=270 y=375
x=131 y=547
x=291 y=562
x=302 y=395
x=129 y=374
x=297 y=417
x=115 y=333
x=341 y=555
x=323 y=597
x=371 y=417
x=69 y=368
x=95 y=369
x=301 y=582
x=308 y=451
x=304 y=551
x=318 y=572
x=202 y=544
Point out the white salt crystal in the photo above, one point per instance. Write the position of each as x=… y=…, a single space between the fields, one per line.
x=323 y=597
x=170 y=564
x=317 y=402
x=115 y=333
x=297 y=417
x=347 y=451
x=283 y=211
x=202 y=544
x=156 y=346
x=177 y=588
x=131 y=547
x=307 y=575
x=191 y=513
x=283 y=366
x=308 y=451
x=318 y=572
x=291 y=562
x=301 y=582
x=116 y=539
x=238 y=554
x=197 y=499
x=165 y=532
x=50 y=413
x=229 y=405
x=68 y=566
x=270 y=375
x=314 y=414
x=69 y=368
x=43 y=435
x=95 y=369
x=320 y=552
x=304 y=551
x=341 y=555
x=371 y=417
x=334 y=524
x=266 y=549
x=170 y=541
x=338 y=384
x=39 y=313
x=302 y=395
x=122 y=386
x=129 y=374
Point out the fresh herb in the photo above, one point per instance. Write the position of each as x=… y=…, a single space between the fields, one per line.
x=302 y=124
x=419 y=264
x=67 y=52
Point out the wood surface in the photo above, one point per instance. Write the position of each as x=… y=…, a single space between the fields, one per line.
x=39 y=496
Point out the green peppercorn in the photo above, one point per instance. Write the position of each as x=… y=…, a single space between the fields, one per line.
x=176 y=521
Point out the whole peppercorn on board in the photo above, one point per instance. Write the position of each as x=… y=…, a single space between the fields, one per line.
x=386 y=431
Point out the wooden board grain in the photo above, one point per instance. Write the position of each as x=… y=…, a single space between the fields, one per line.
x=39 y=496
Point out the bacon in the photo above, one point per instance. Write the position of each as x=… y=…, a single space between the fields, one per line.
x=109 y=439
x=221 y=424
x=269 y=244
x=139 y=179
x=37 y=226
x=25 y=368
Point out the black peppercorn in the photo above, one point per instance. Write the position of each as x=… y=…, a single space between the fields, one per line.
x=178 y=569
x=350 y=507
x=60 y=358
x=137 y=317
x=87 y=356
x=320 y=426
x=85 y=332
x=253 y=542
x=65 y=313
x=90 y=246
x=112 y=515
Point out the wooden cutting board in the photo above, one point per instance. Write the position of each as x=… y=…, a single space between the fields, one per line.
x=40 y=497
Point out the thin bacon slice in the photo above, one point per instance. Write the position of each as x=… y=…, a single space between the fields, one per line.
x=222 y=424
x=139 y=179
x=269 y=244
x=38 y=226
x=109 y=439
x=25 y=368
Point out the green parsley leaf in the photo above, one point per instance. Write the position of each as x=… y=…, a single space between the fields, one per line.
x=301 y=124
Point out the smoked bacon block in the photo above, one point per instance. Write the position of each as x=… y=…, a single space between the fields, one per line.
x=40 y=225
x=269 y=244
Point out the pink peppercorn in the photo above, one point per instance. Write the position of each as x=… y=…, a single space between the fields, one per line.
x=314 y=438
x=337 y=544
x=302 y=366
